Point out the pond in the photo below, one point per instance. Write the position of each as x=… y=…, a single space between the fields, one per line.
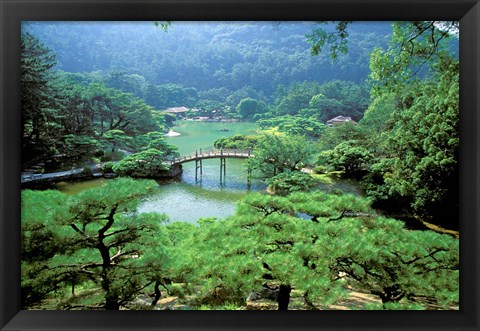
x=190 y=198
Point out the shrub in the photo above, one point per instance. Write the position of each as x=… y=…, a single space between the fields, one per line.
x=108 y=167
x=290 y=181
x=146 y=164
x=112 y=156
x=99 y=153
x=86 y=171
x=320 y=169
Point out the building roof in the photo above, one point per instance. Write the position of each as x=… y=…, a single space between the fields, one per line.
x=340 y=119
x=177 y=110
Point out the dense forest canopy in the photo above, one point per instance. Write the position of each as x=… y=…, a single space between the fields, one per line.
x=205 y=56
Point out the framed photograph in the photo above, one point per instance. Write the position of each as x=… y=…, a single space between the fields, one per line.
x=202 y=164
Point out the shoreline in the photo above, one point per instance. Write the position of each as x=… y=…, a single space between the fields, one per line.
x=172 y=134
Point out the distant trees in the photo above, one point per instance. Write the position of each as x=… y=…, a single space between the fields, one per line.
x=250 y=59
x=237 y=141
x=64 y=117
x=130 y=83
x=294 y=125
x=322 y=102
x=39 y=132
x=248 y=108
x=339 y=98
x=170 y=95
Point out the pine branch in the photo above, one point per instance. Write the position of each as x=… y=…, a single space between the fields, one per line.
x=110 y=219
x=339 y=217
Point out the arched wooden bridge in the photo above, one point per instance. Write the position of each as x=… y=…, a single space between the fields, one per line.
x=221 y=154
x=213 y=154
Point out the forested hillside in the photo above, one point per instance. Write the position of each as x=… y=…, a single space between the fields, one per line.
x=208 y=56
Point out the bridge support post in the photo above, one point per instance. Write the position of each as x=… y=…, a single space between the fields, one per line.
x=198 y=165
x=223 y=168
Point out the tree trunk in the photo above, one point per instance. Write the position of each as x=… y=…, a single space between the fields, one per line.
x=391 y=294
x=73 y=286
x=111 y=302
x=284 y=297
x=158 y=294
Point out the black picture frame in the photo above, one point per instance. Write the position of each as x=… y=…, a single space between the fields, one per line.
x=13 y=12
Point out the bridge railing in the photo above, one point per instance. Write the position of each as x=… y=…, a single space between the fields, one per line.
x=214 y=152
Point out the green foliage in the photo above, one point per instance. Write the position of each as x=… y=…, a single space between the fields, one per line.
x=112 y=156
x=297 y=97
x=87 y=171
x=39 y=240
x=108 y=167
x=346 y=243
x=423 y=149
x=254 y=247
x=320 y=169
x=116 y=138
x=290 y=181
x=209 y=108
x=164 y=25
x=416 y=48
x=397 y=264
x=130 y=83
x=249 y=107
x=336 y=98
x=337 y=39
x=170 y=95
x=98 y=236
x=321 y=205
x=277 y=153
x=294 y=125
x=237 y=141
x=335 y=135
x=378 y=116
x=145 y=164
x=155 y=140
x=252 y=58
x=419 y=153
x=353 y=159
x=60 y=116
x=117 y=110
x=39 y=132
x=77 y=147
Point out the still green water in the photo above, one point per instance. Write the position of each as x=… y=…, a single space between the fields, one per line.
x=188 y=198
